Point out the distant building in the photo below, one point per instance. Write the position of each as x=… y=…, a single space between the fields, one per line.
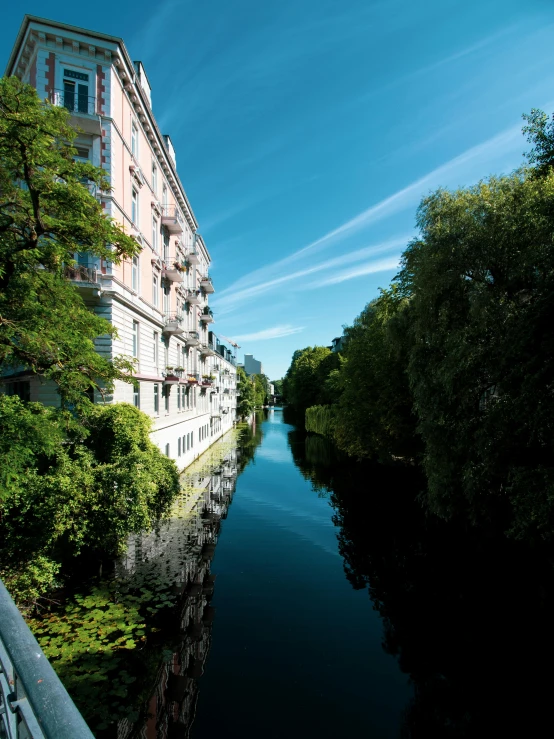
x=252 y=366
x=337 y=345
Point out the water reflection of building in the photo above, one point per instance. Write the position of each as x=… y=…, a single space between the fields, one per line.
x=180 y=553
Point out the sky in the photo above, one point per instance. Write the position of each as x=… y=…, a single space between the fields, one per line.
x=308 y=132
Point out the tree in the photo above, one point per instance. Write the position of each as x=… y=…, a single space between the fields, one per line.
x=373 y=416
x=73 y=489
x=540 y=132
x=246 y=397
x=47 y=215
x=304 y=382
x=261 y=390
x=481 y=364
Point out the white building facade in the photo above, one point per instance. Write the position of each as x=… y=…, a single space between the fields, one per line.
x=158 y=301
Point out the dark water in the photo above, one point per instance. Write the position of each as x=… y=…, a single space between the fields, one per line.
x=341 y=610
x=296 y=650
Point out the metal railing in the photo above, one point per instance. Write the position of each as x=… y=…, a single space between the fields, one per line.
x=172 y=211
x=194 y=335
x=74 y=102
x=173 y=318
x=79 y=273
x=33 y=702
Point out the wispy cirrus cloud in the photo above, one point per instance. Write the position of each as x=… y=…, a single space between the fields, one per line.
x=368 y=268
x=276 y=332
x=473 y=162
x=230 y=299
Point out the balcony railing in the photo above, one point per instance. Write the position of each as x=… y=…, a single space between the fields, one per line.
x=74 y=102
x=173 y=324
x=79 y=273
x=193 y=257
x=193 y=297
x=173 y=270
x=207 y=315
x=206 y=284
x=192 y=338
x=172 y=219
x=33 y=702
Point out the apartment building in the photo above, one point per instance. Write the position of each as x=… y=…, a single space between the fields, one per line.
x=158 y=301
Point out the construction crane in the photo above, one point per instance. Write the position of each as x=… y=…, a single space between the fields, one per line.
x=233 y=344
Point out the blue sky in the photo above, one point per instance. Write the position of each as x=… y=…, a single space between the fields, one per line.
x=307 y=132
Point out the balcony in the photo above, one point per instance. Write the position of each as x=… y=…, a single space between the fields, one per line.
x=193 y=297
x=193 y=338
x=206 y=284
x=207 y=350
x=82 y=109
x=86 y=279
x=207 y=315
x=193 y=257
x=173 y=271
x=173 y=325
x=172 y=219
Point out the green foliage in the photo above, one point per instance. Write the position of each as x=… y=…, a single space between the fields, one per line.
x=481 y=362
x=91 y=641
x=69 y=493
x=540 y=132
x=47 y=216
x=261 y=390
x=374 y=417
x=320 y=419
x=305 y=383
x=246 y=399
x=278 y=386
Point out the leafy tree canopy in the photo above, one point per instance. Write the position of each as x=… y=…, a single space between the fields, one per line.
x=47 y=216
x=481 y=364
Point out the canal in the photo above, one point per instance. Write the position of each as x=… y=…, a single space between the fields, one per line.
x=295 y=593
x=296 y=650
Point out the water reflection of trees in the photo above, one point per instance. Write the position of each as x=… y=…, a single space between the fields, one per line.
x=466 y=612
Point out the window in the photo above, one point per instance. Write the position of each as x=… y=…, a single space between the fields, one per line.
x=134 y=139
x=135 y=274
x=167 y=299
x=167 y=400
x=164 y=196
x=75 y=91
x=22 y=389
x=178 y=398
x=156 y=339
x=166 y=244
x=167 y=450
x=155 y=290
x=183 y=357
x=183 y=394
x=179 y=447
x=154 y=178
x=156 y=399
x=136 y=395
x=134 y=207
x=155 y=230
x=191 y=439
x=135 y=336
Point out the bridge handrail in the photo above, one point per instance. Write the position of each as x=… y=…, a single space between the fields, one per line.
x=34 y=703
